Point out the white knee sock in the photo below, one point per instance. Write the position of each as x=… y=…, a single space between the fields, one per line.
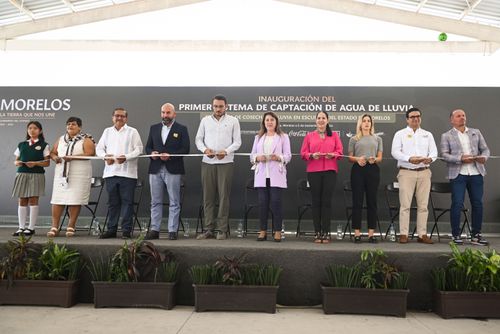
x=33 y=216
x=22 y=213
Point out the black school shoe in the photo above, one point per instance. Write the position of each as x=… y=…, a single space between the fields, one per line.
x=18 y=232
x=372 y=240
x=28 y=232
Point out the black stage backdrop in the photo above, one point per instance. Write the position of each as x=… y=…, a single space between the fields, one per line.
x=296 y=107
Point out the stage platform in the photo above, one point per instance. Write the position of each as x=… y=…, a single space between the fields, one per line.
x=302 y=260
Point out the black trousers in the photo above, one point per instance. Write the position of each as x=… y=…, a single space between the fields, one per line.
x=322 y=184
x=270 y=198
x=364 y=180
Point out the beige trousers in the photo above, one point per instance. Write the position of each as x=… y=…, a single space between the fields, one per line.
x=216 y=180
x=410 y=183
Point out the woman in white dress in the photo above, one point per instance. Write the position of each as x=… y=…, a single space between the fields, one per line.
x=72 y=177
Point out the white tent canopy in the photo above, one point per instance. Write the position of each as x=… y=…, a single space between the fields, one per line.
x=259 y=42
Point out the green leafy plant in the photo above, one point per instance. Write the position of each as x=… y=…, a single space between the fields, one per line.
x=169 y=271
x=270 y=274
x=205 y=274
x=469 y=270
x=231 y=267
x=139 y=261
x=376 y=273
x=342 y=276
x=57 y=263
x=371 y=272
x=233 y=271
x=100 y=269
x=20 y=260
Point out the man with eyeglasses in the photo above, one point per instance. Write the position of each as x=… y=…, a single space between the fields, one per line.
x=120 y=145
x=414 y=149
x=218 y=137
x=465 y=151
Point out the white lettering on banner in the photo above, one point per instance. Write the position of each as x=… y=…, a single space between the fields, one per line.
x=296 y=99
x=296 y=107
x=352 y=107
x=35 y=104
x=239 y=107
x=195 y=107
x=396 y=107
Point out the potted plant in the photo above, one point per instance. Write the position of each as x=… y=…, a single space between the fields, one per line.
x=469 y=285
x=137 y=275
x=372 y=286
x=31 y=275
x=231 y=285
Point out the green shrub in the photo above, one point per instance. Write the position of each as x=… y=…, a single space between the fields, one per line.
x=21 y=259
x=342 y=276
x=233 y=271
x=58 y=263
x=26 y=260
x=371 y=272
x=469 y=270
x=139 y=261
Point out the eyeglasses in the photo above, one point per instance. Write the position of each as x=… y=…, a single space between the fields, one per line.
x=219 y=106
x=120 y=116
x=415 y=116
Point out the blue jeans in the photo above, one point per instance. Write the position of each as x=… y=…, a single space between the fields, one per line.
x=474 y=186
x=120 y=202
x=157 y=183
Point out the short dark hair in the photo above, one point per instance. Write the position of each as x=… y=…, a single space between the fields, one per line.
x=78 y=120
x=412 y=110
x=121 y=109
x=220 y=98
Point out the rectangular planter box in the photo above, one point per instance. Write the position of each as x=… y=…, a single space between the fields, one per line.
x=33 y=292
x=134 y=294
x=465 y=304
x=364 y=301
x=235 y=298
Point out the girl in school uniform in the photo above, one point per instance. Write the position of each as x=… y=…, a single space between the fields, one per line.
x=32 y=155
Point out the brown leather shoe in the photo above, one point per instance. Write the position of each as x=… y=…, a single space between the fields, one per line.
x=425 y=240
x=403 y=239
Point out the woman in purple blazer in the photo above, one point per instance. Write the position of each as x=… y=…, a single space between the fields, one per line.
x=270 y=154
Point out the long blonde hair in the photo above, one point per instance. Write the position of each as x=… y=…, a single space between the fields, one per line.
x=359 y=132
